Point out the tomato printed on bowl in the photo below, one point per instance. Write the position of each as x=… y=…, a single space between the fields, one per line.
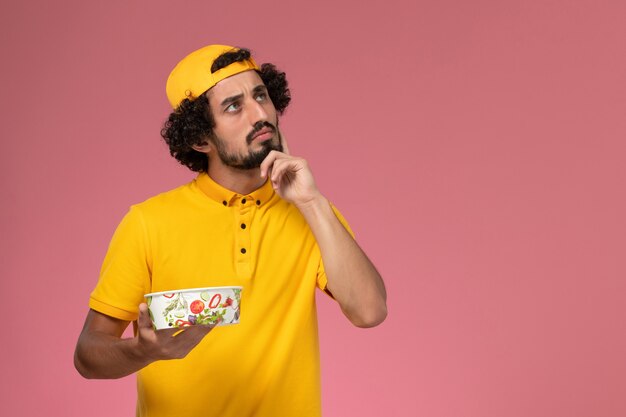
x=196 y=307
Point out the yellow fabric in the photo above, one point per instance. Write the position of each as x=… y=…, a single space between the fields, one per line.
x=268 y=364
x=192 y=75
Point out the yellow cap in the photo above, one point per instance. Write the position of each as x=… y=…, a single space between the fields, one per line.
x=192 y=75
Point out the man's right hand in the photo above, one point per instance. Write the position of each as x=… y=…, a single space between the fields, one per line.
x=102 y=353
x=163 y=344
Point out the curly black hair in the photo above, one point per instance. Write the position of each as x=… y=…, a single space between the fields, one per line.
x=191 y=123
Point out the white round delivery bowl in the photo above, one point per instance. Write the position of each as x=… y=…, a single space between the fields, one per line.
x=217 y=306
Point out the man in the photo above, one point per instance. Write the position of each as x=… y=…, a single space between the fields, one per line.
x=254 y=218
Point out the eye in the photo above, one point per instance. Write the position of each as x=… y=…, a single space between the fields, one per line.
x=261 y=97
x=233 y=107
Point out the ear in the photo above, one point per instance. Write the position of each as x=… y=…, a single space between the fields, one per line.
x=206 y=147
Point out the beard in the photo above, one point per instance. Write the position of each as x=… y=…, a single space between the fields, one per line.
x=252 y=159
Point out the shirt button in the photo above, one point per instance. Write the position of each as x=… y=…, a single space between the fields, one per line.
x=243 y=201
x=243 y=250
x=243 y=225
x=258 y=202
x=224 y=202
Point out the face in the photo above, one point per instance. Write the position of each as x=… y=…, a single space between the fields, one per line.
x=246 y=123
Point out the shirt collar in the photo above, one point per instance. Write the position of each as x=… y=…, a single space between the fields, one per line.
x=226 y=197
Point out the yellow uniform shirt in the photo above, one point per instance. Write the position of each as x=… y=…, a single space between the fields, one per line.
x=203 y=235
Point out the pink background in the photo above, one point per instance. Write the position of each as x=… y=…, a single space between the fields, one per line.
x=476 y=147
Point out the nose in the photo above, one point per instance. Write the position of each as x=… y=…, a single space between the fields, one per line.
x=257 y=112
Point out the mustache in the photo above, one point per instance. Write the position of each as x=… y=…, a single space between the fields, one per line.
x=256 y=128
